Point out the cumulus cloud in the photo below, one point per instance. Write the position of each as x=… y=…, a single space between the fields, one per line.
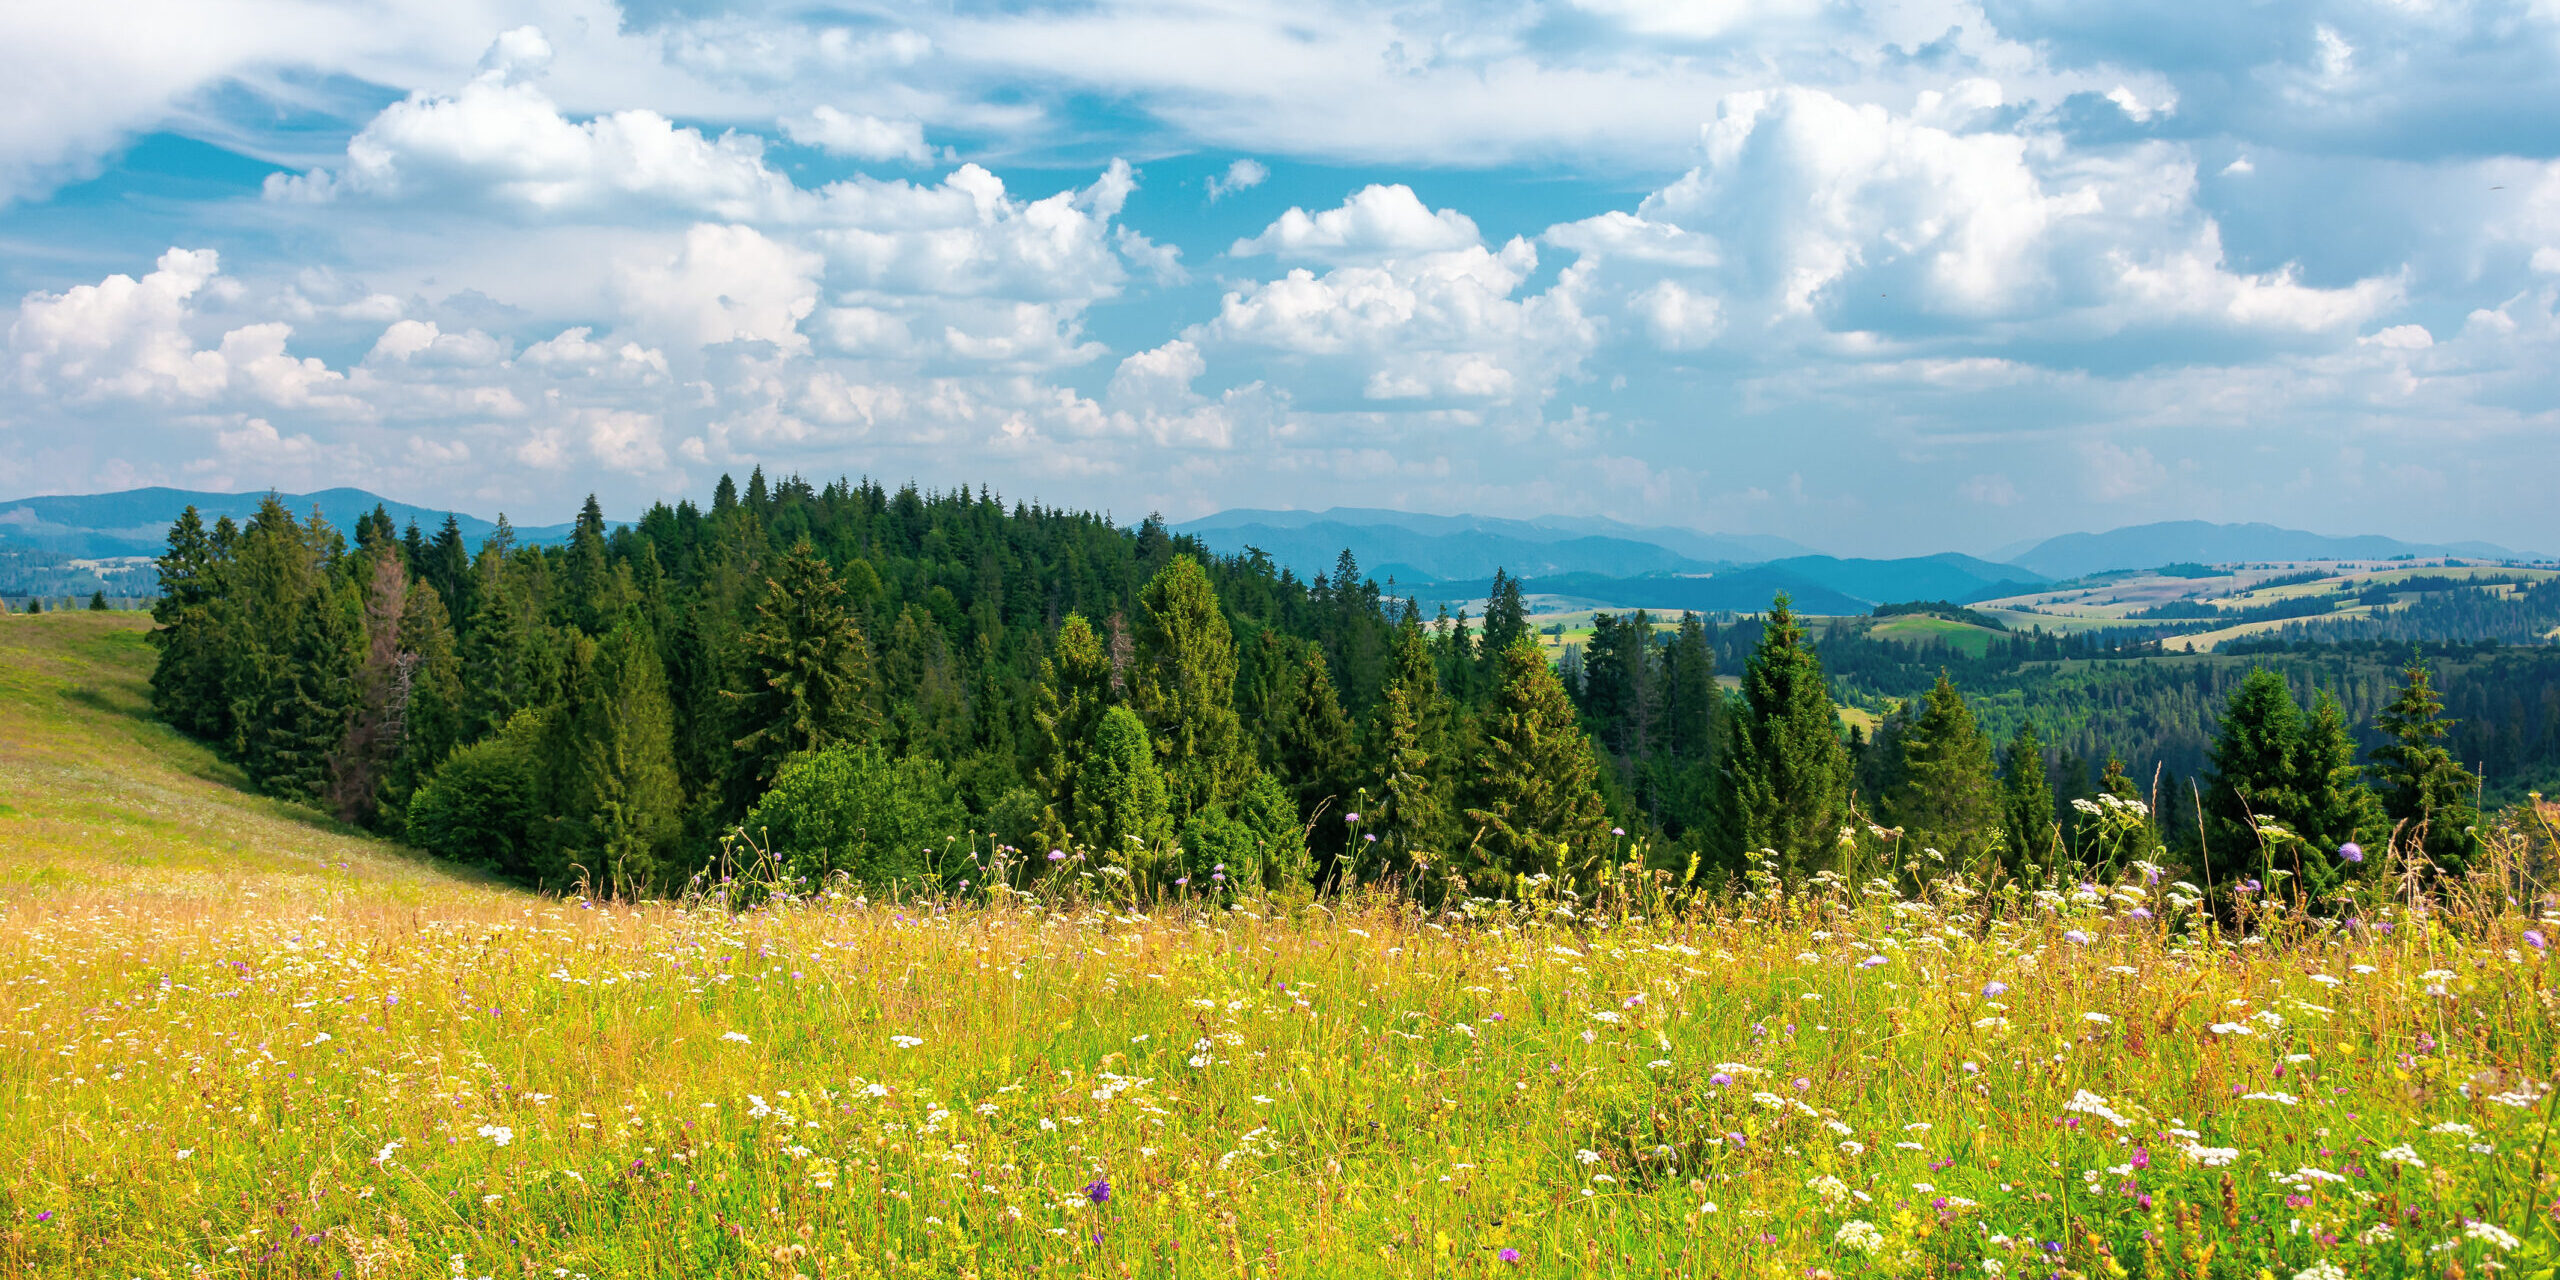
x=502 y=142
x=1814 y=217
x=724 y=284
x=1376 y=222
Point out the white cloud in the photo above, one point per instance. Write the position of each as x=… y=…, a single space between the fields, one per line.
x=1375 y=223
x=726 y=284
x=1242 y=174
x=502 y=141
x=121 y=336
x=862 y=137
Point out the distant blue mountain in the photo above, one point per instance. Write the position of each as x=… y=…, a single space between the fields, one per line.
x=1413 y=547
x=2149 y=546
x=1814 y=584
x=136 y=522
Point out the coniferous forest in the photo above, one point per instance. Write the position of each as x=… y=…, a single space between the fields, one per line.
x=911 y=684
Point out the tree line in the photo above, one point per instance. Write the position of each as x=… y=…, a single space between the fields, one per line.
x=911 y=684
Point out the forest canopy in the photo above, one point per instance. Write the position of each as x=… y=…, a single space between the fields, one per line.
x=901 y=685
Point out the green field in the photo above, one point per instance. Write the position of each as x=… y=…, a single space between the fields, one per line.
x=243 y=1042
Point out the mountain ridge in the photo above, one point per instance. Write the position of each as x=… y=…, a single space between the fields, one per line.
x=130 y=522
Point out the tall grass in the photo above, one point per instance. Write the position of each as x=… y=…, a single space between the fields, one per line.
x=316 y=1058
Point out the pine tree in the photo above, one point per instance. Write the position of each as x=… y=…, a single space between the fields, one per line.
x=622 y=792
x=1407 y=758
x=1407 y=811
x=2257 y=778
x=1947 y=798
x=2026 y=801
x=591 y=600
x=1314 y=747
x=432 y=720
x=1784 y=777
x=1120 y=793
x=2338 y=808
x=360 y=765
x=1506 y=618
x=1075 y=689
x=1535 y=789
x=98 y=601
x=2424 y=789
x=501 y=671
x=1183 y=687
x=297 y=717
x=447 y=568
x=808 y=669
x=186 y=686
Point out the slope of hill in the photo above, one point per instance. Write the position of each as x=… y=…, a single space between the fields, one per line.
x=2148 y=546
x=135 y=522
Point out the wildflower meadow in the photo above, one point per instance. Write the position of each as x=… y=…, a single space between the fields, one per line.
x=239 y=1040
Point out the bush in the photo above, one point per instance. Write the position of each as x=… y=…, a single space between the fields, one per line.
x=854 y=810
x=483 y=805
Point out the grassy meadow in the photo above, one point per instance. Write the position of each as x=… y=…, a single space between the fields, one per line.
x=239 y=1040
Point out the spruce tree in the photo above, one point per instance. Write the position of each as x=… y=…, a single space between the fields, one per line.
x=186 y=686
x=1948 y=798
x=1407 y=758
x=1314 y=746
x=447 y=567
x=1120 y=797
x=1506 y=618
x=2338 y=808
x=1784 y=777
x=1182 y=687
x=98 y=601
x=2026 y=801
x=622 y=792
x=1075 y=689
x=360 y=765
x=2256 y=778
x=807 y=667
x=1536 y=802
x=2425 y=791
x=431 y=725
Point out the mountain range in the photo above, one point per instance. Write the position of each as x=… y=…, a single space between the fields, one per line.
x=1432 y=557
x=136 y=522
x=2149 y=546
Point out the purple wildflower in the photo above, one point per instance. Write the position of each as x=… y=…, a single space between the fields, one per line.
x=1057 y=855
x=2533 y=938
x=2351 y=851
x=1994 y=989
x=1098 y=1190
x=1720 y=1080
x=1509 y=1255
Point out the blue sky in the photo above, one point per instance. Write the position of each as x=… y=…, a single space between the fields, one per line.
x=1883 y=277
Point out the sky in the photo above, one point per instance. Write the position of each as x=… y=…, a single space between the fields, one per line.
x=1882 y=276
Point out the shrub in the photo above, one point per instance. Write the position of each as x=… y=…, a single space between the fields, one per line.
x=853 y=809
x=483 y=805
